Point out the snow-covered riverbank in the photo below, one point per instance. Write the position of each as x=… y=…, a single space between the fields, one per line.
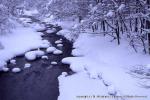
x=18 y=42
x=101 y=61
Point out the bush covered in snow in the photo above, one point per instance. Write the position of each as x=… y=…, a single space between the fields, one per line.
x=141 y=70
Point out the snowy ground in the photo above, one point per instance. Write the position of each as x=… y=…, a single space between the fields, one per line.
x=102 y=68
x=21 y=40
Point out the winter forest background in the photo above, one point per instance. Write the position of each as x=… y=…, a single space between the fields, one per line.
x=116 y=18
x=106 y=44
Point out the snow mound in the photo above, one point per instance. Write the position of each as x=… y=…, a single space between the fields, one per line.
x=64 y=74
x=32 y=55
x=58 y=42
x=5 y=69
x=54 y=63
x=27 y=65
x=74 y=63
x=44 y=57
x=45 y=44
x=59 y=45
x=16 y=70
x=13 y=61
x=49 y=31
x=57 y=52
x=50 y=49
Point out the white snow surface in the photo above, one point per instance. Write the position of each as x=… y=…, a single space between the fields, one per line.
x=20 y=41
x=30 y=12
x=77 y=85
x=103 y=61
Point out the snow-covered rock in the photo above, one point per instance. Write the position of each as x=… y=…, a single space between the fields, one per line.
x=58 y=42
x=16 y=70
x=59 y=45
x=44 y=57
x=49 y=31
x=27 y=65
x=64 y=74
x=39 y=53
x=32 y=55
x=50 y=49
x=45 y=44
x=57 y=52
x=13 y=61
x=5 y=69
x=54 y=63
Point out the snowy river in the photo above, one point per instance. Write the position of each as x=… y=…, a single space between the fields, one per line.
x=40 y=81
